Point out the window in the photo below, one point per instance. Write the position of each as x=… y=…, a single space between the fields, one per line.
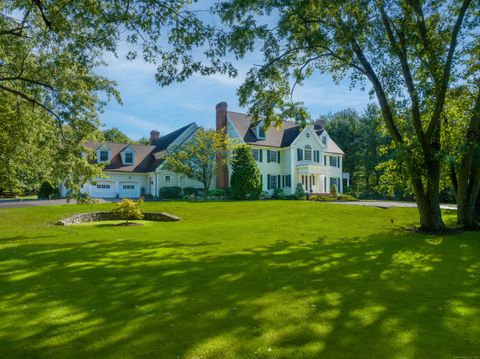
x=334 y=181
x=272 y=181
x=261 y=132
x=288 y=181
x=128 y=186
x=333 y=161
x=167 y=178
x=324 y=140
x=103 y=186
x=257 y=154
x=299 y=154
x=103 y=156
x=128 y=157
x=316 y=155
x=273 y=156
x=307 y=153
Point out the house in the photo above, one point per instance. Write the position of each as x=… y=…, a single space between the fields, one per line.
x=133 y=171
x=286 y=155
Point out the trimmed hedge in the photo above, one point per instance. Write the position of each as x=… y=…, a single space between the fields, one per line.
x=170 y=192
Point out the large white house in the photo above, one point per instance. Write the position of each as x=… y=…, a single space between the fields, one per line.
x=285 y=156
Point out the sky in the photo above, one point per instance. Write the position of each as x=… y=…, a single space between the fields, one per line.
x=147 y=106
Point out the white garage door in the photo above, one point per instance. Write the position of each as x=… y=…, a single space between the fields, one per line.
x=129 y=189
x=103 y=189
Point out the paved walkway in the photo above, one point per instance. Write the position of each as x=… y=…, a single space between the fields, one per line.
x=390 y=204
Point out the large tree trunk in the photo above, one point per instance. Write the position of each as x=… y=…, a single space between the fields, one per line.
x=477 y=210
x=467 y=188
x=428 y=198
x=467 y=175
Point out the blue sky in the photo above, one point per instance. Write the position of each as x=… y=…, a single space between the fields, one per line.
x=148 y=106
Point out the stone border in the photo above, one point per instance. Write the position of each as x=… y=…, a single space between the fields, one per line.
x=110 y=216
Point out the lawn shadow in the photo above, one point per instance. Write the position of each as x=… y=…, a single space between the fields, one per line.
x=384 y=296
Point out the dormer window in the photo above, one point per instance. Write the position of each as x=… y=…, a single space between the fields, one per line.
x=260 y=131
x=103 y=157
x=128 y=158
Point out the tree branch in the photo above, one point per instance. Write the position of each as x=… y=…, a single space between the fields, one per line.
x=400 y=49
x=443 y=86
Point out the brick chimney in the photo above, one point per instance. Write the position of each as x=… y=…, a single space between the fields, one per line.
x=154 y=136
x=221 y=123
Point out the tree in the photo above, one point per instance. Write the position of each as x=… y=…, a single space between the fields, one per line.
x=461 y=143
x=115 y=135
x=406 y=50
x=196 y=158
x=362 y=138
x=245 y=180
x=49 y=53
x=144 y=141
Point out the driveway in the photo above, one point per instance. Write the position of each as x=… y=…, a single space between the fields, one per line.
x=390 y=204
x=56 y=202
x=15 y=203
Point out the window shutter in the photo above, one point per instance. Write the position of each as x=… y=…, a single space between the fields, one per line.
x=268 y=181
x=278 y=156
x=283 y=181
x=279 y=181
x=338 y=162
x=324 y=160
x=261 y=154
x=268 y=156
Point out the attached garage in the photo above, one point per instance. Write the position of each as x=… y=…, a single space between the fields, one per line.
x=103 y=189
x=129 y=189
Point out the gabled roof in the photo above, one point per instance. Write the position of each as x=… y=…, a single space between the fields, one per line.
x=275 y=137
x=281 y=137
x=143 y=160
x=163 y=142
x=144 y=154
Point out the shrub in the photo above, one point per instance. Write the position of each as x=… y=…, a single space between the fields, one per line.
x=347 y=197
x=291 y=197
x=333 y=190
x=84 y=198
x=322 y=198
x=245 y=180
x=219 y=192
x=47 y=189
x=299 y=191
x=278 y=193
x=128 y=209
x=264 y=195
x=199 y=192
x=170 y=192
x=188 y=191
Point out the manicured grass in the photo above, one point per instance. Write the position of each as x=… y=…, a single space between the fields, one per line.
x=273 y=279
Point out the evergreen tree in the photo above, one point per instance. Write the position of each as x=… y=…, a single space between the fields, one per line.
x=245 y=180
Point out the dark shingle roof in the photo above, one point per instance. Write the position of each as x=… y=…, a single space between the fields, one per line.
x=275 y=137
x=163 y=142
x=143 y=156
x=144 y=160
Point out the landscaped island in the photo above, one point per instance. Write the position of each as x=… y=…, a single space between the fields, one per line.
x=265 y=279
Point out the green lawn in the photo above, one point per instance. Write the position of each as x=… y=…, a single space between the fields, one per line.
x=265 y=279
